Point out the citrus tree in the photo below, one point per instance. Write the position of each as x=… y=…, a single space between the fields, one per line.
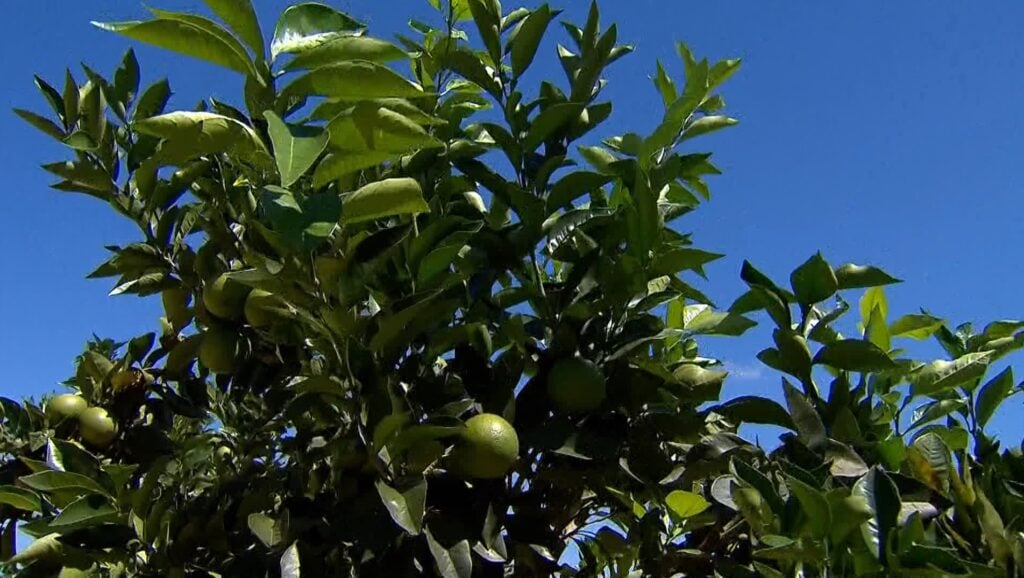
x=425 y=318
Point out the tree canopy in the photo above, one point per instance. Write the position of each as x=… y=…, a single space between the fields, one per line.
x=423 y=317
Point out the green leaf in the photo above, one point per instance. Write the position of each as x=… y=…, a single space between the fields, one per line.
x=814 y=506
x=854 y=355
x=296 y=148
x=667 y=88
x=347 y=48
x=814 y=281
x=686 y=505
x=572 y=186
x=406 y=508
x=806 y=419
x=336 y=165
x=241 y=17
x=308 y=25
x=153 y=100
x=992 y=395
x=460 y=8
x=291 y=566
x=20 y=498
x=675 y=260
x=873 y=299
x=85 y=512
x=41 y=123
x=876 y=331
x=928 y=460
x=454 y=562
x=848 y=513
x=549 y=122
x=401 y=196
x=188 y=135
x=55 y=481
x=915 y=326
x=268 y=530
x=851 y=276
x=526 y=38
x=934 y=410
x=751 y=409
x=942 y=375
x=708 y=124
x=185 y=37
x=878 y=489
x=353 y=80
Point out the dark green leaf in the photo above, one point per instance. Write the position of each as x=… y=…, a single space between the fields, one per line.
x=188 y=135
x=806 y=419
x=814 y=506
x=878 y=489
x=41 y=123
x=525 y=39
x=751 y=409
x=549 y=122
x=934 y=410
x=708 y=124
x=854 y=355
x=571 y=186
x=814 y=281
x=851 y=276
x=992 y=395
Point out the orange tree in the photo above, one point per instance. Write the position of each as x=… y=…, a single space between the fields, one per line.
x=436 y=324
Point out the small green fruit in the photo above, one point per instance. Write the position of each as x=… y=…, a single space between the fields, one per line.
x=220 y=350
x=225 y=297
x=65 y=406
x=258 y=308
x=576 y=385
x=97 y=428
x=488 y=448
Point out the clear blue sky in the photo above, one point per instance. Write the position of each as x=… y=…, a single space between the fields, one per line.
x=888 y=133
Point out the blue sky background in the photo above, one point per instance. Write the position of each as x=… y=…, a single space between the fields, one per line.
x=883 y=133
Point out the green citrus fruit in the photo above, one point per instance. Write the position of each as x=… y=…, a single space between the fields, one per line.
x=220 y=350
x=257 y=308
x=175 y=302
x=66 y=405
x=487 y=449
x=96 y=427
x=225 y=297
x=73 y=573
x=576 y=385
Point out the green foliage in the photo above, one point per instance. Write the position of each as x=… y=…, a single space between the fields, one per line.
x=359 y=268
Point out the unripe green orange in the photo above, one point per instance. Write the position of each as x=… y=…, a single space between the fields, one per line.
x=225 y=297
x=220 y=350
x=576 y=385
x=97 y=428
x=64 y=406
x=257 y=308
x=487 y=448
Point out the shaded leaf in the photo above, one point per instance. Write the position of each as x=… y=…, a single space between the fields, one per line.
x=751 y=409
x=526 y=37
x=352 y=80
x=814 y=281
x=807 y=421
x=854 y=355
x=347 y=48
x=992 y=394
x=20 y=498
x=186 y=38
